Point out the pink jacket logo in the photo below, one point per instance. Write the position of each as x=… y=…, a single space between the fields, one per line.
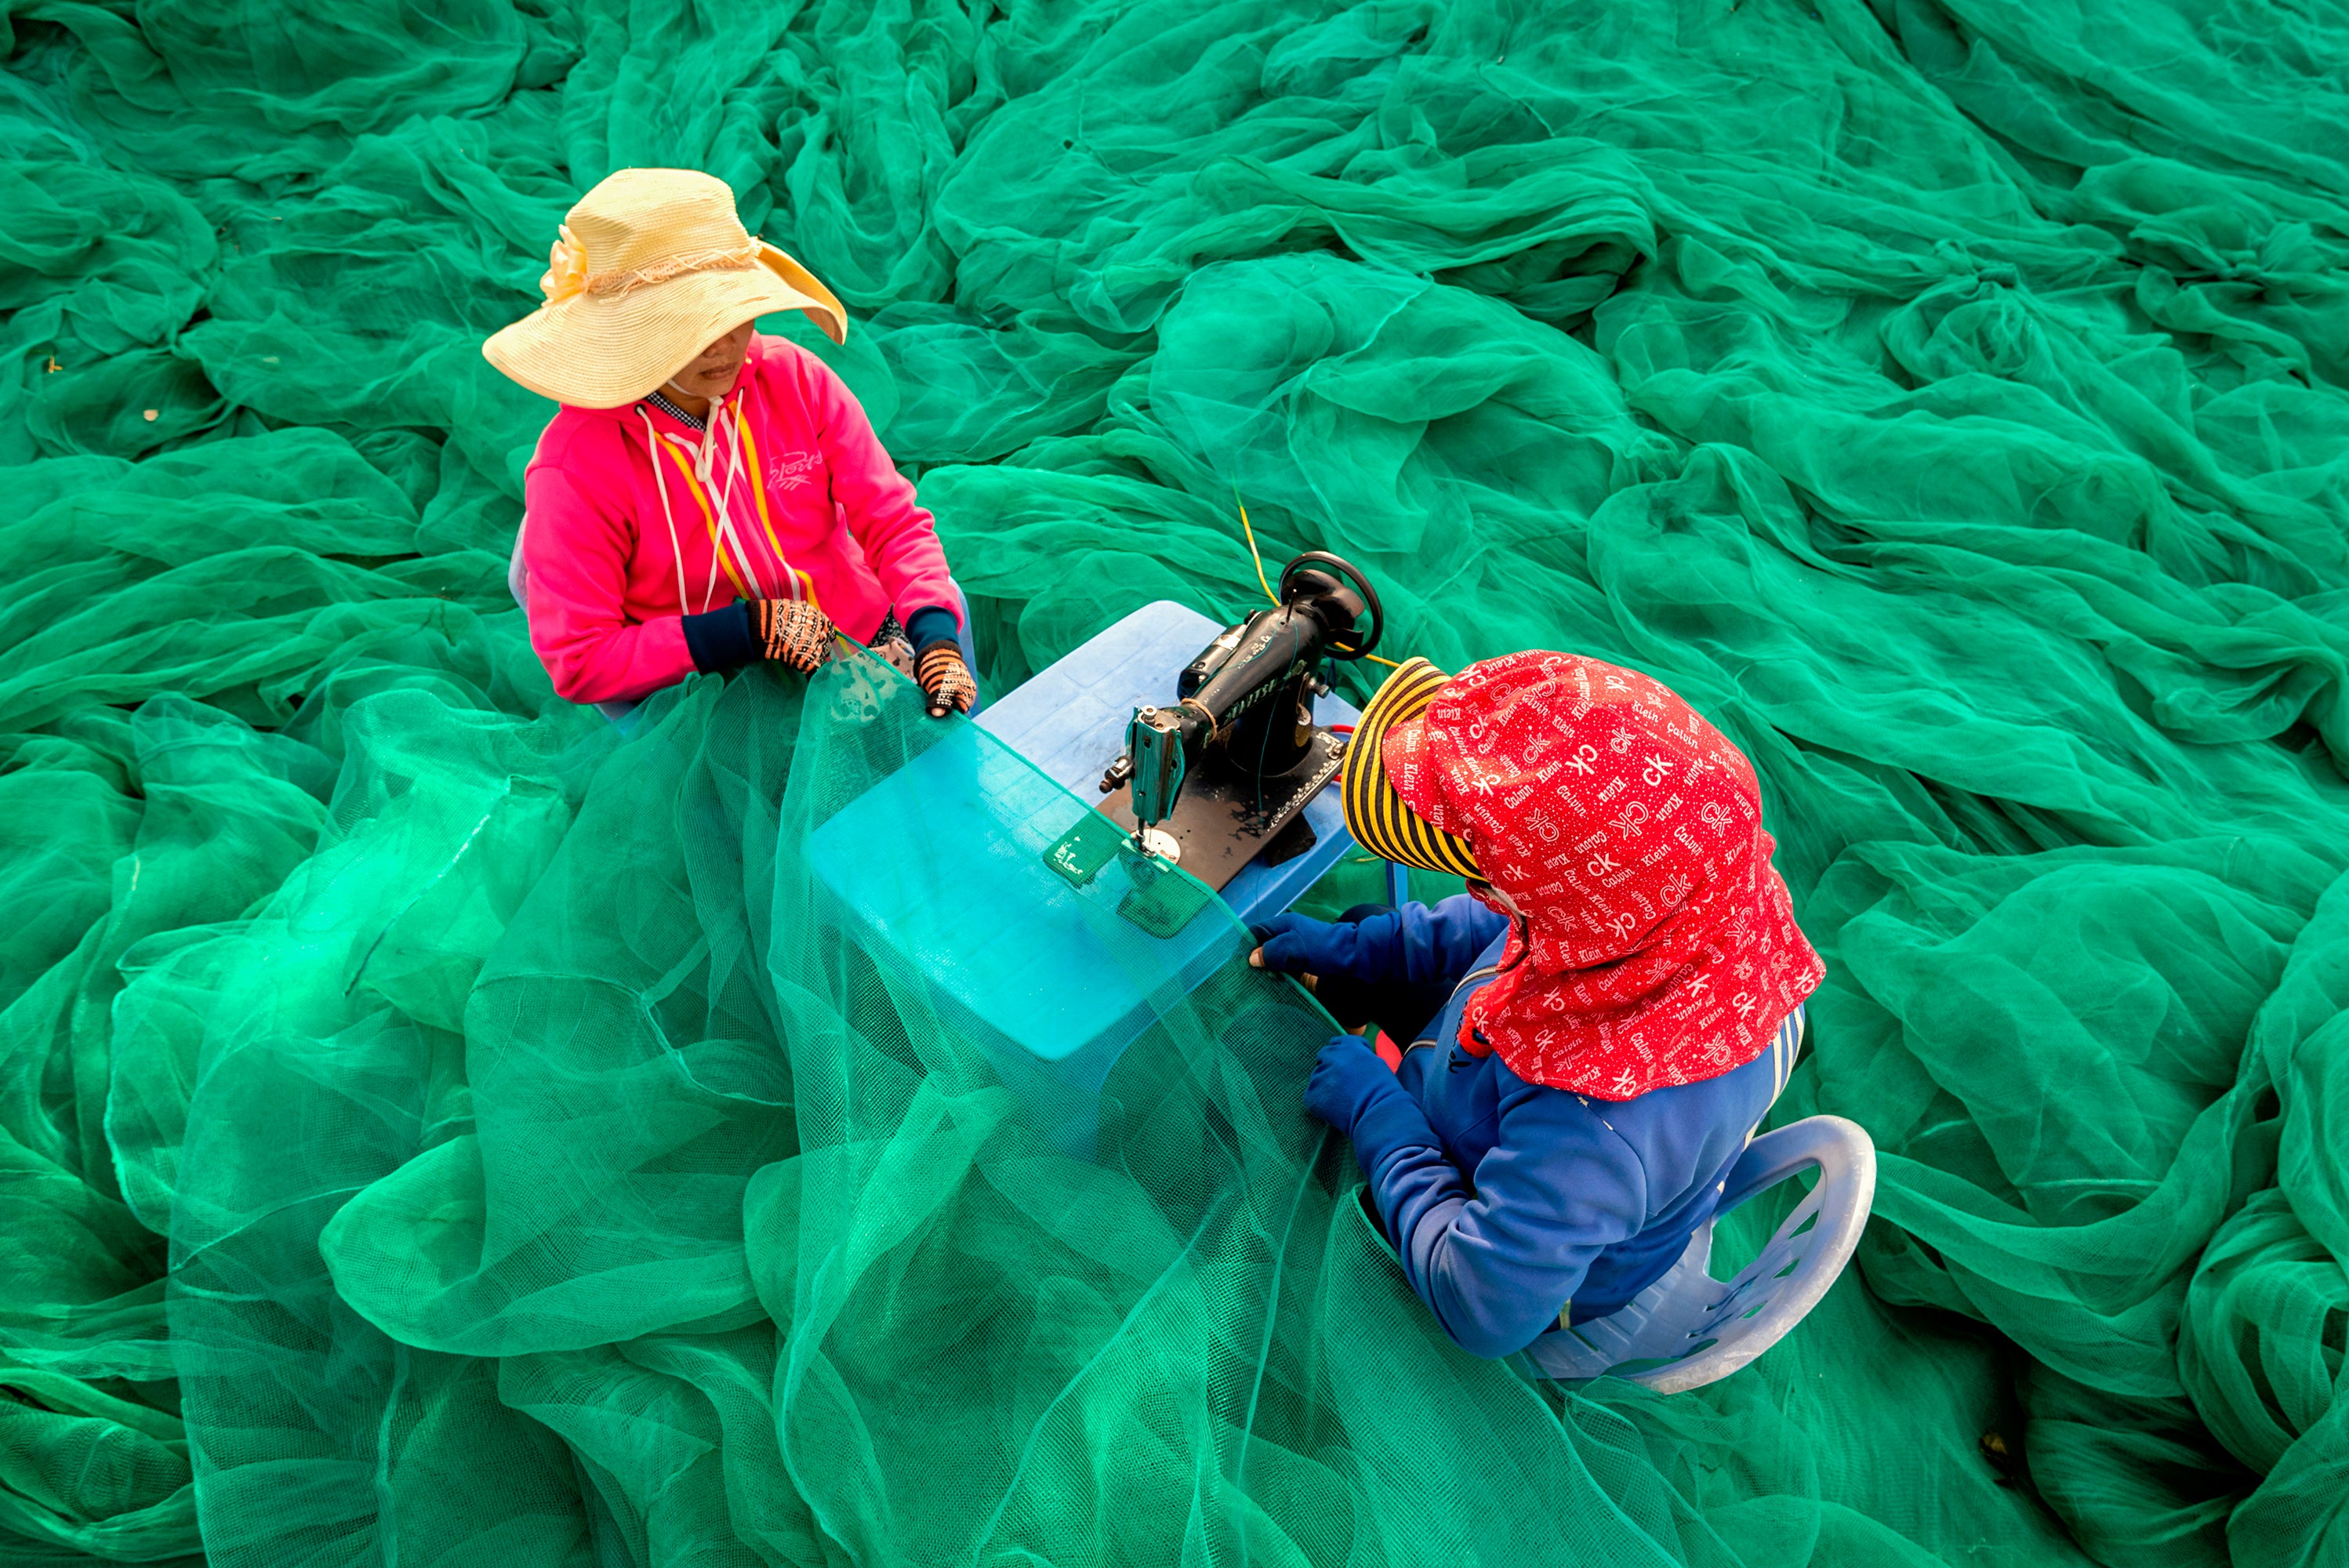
x=793 y=469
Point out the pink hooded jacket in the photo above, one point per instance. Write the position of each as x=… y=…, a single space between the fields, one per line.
x=791 y=496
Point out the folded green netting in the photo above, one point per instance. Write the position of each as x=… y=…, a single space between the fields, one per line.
x=436 y=1129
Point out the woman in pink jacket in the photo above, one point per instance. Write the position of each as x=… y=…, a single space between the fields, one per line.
x=706 y=497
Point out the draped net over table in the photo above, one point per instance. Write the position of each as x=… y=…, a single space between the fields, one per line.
x=436 y=1129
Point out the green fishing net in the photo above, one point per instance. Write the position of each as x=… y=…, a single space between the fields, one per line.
x=438 y=1128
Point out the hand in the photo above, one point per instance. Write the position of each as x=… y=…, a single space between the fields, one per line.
x=1348 y=1080
x=944 y=680
x=898 y=654
x=792 y=633
x=1300 y=944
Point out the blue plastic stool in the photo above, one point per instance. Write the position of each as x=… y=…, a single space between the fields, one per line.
x=1688 y=1328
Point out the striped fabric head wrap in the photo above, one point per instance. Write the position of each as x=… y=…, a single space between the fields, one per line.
x=1375 y=814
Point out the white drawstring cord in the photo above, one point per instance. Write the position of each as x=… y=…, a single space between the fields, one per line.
x=652 y=451
x=724 y=495
x=704 y=470
x=660 y=483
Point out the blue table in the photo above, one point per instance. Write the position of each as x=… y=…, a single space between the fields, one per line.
x=1019 y=915
x=1091 y=954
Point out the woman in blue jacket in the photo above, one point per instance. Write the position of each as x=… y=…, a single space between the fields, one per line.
x=1595 y=1030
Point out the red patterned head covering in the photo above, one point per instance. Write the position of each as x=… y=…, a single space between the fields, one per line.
x=1655 y=946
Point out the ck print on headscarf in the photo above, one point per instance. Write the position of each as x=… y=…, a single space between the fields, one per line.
x=1654 y=944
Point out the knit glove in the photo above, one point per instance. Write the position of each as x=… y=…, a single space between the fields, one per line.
x=1351 y=1088
x=792 y=633
x=944 y=680
x=1300 y=944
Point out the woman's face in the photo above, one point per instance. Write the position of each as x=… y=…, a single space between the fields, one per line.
x=713 y=372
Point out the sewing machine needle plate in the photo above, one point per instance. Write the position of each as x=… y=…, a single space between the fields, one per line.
x=1223 y=821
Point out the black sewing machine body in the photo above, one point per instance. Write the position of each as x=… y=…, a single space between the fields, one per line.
x=1224 y=773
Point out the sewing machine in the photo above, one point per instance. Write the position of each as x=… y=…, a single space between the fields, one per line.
x=1220 y=778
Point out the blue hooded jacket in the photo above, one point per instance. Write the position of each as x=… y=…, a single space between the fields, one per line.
x=1514 y=1207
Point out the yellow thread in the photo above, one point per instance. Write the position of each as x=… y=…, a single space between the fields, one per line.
x=1257 y=557
x=1253 y=553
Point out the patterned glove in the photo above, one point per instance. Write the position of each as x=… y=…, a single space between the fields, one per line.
x=792 y=633
x=944 y=680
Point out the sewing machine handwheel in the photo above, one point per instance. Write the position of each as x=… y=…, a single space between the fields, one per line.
x=1348 y=570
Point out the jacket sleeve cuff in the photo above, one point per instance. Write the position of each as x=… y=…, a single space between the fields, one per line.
x=1389 y=1120
x=722 y=639
x=929 y=626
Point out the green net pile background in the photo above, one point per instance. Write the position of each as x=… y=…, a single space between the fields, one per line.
x=435 y=1130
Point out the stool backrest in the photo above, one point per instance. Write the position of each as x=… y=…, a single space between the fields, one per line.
x=1721 y=1326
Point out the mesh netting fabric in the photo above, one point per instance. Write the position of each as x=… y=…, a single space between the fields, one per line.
x=439 y=1128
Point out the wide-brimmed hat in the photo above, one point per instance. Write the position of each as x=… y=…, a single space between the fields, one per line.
x=652 y=267
x=1376 y=813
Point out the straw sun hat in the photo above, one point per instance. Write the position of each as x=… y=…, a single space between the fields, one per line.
x=653 y=266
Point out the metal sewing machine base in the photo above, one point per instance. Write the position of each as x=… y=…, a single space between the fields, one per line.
x=1222 y=820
